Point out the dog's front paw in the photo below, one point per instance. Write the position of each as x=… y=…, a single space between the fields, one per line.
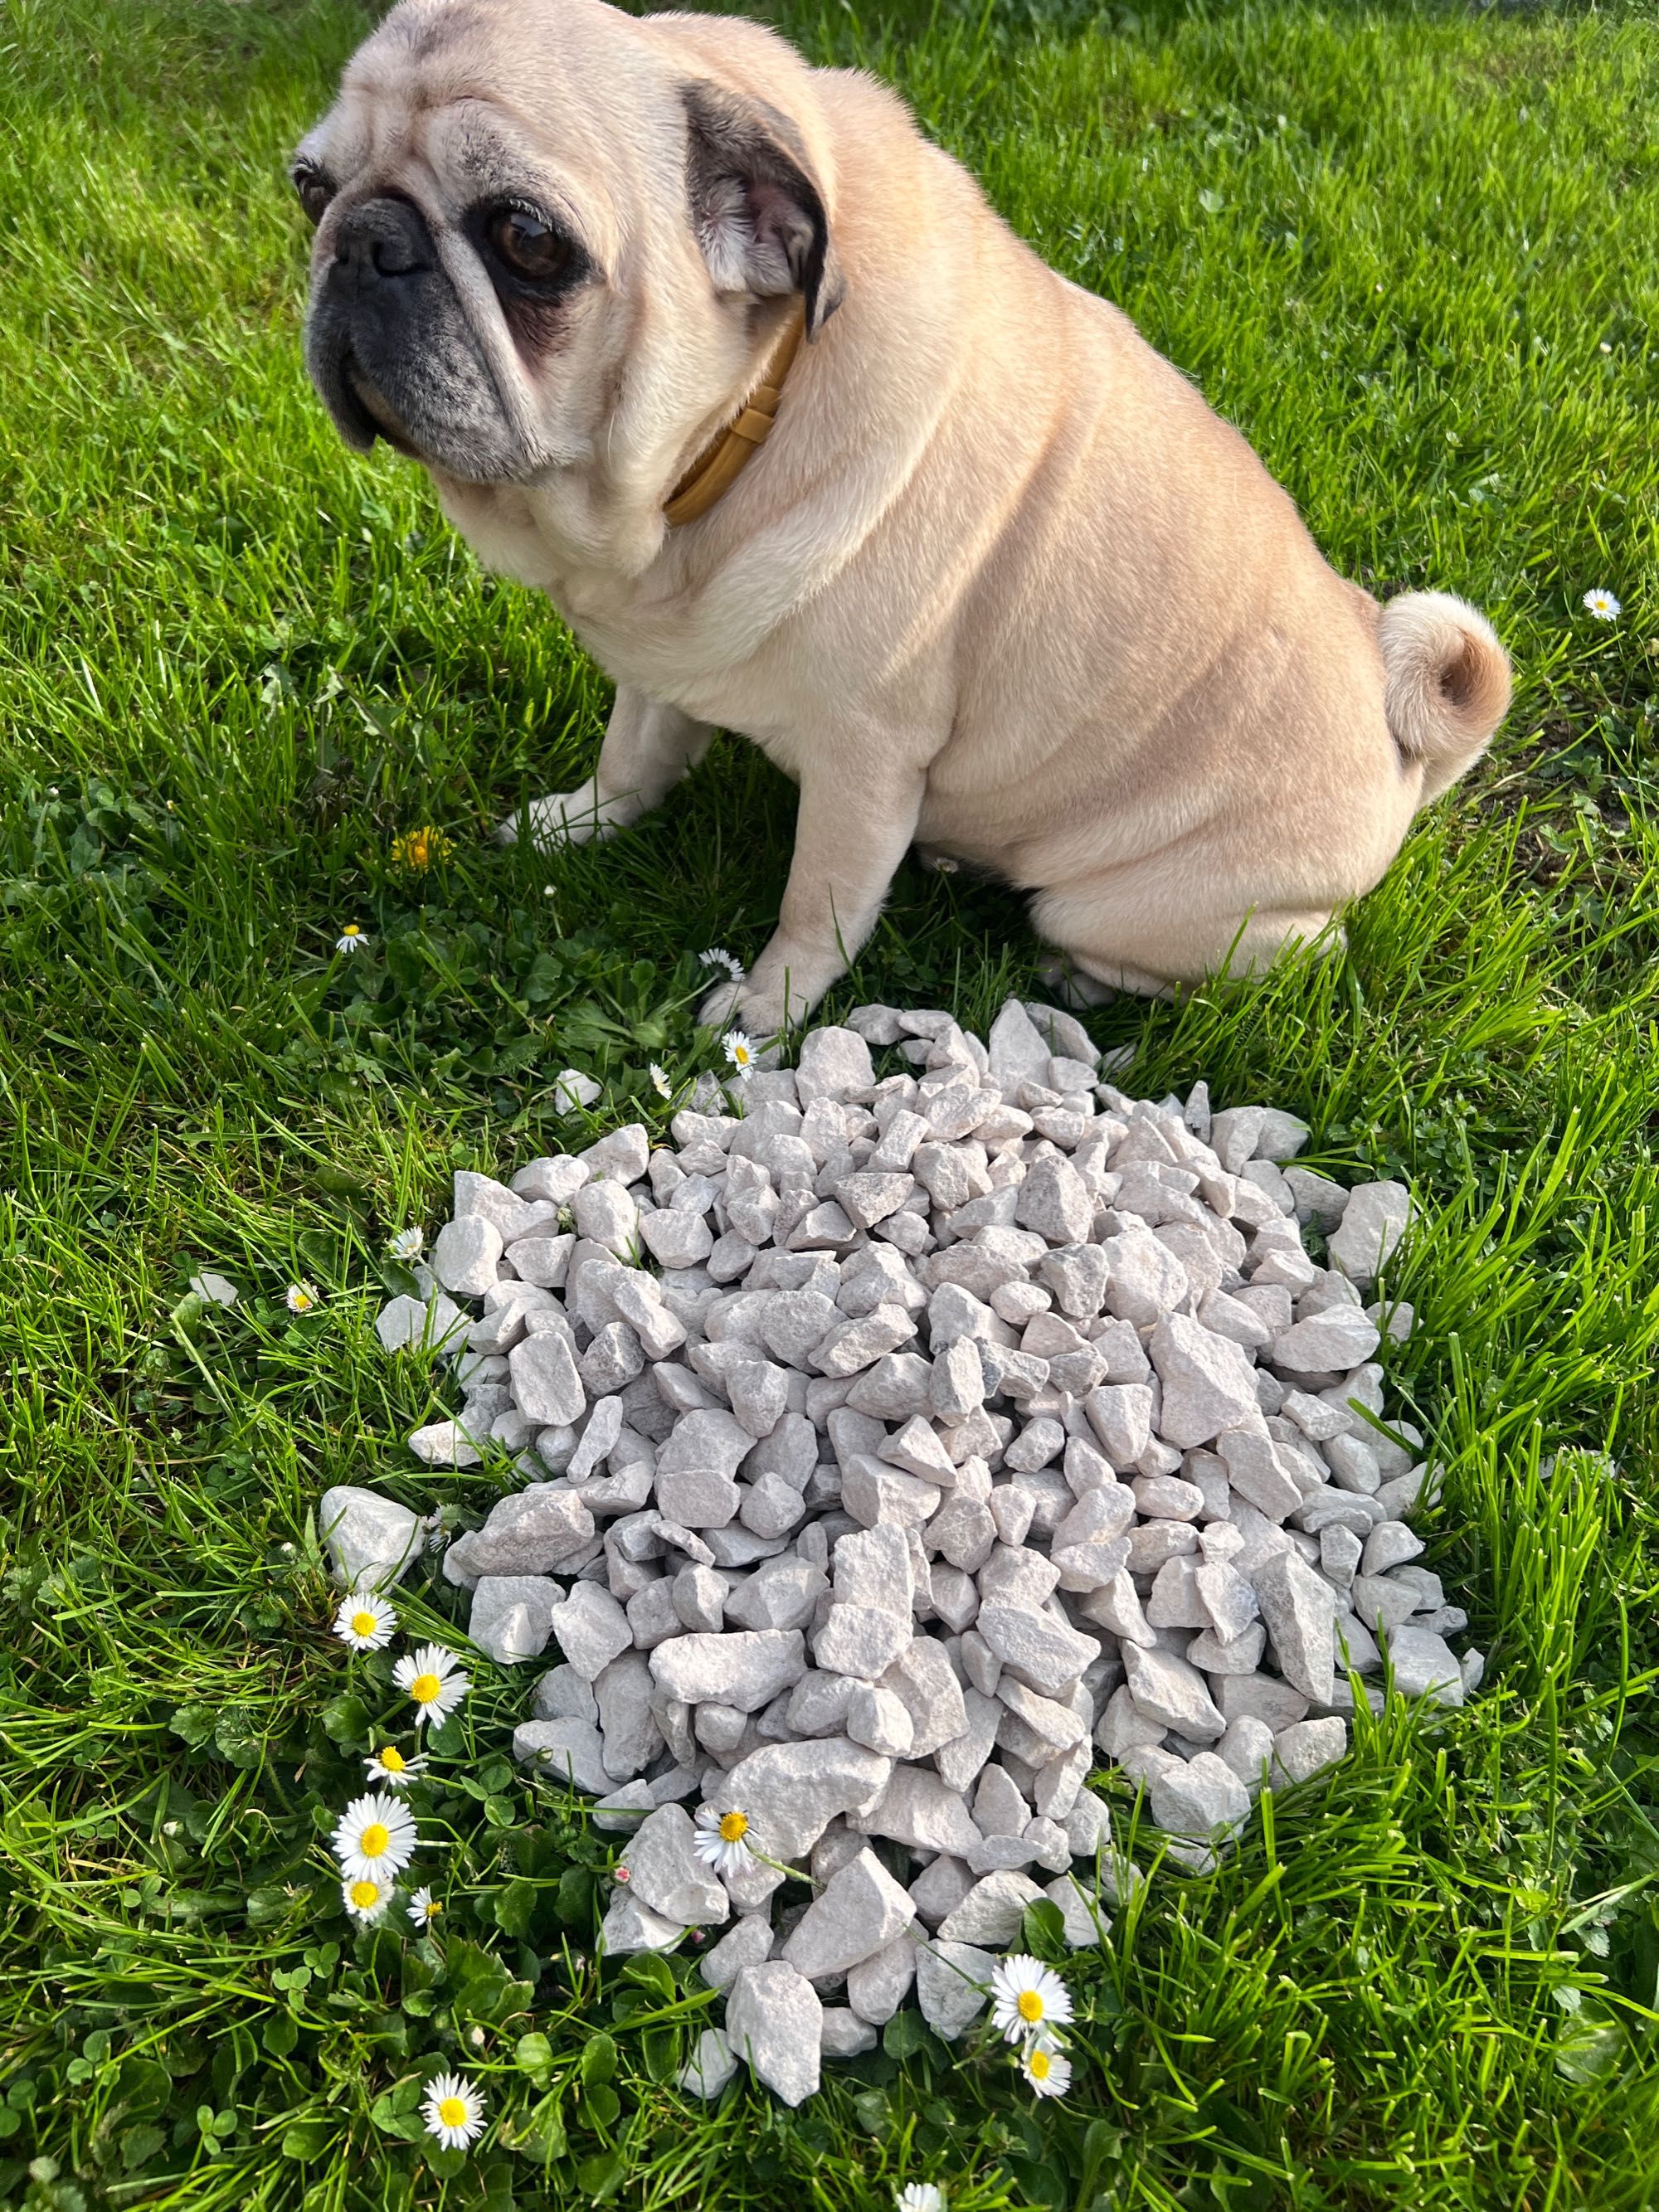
x=753 y=1016
x=562 y=817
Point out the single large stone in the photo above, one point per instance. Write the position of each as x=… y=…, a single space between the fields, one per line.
x=1166 y=1689
x=372 y=1541
x=466 y=1254
x=531 y=1533
x=953 y=1986
x=1339 y=1338
x=878 y=1985
x=664 y=1868
x=710 y=2066
x=568 y=1750
x=1373 y=1222
x=859 y=1911
x=775 y=2021
x=745 y=1669
x=424 y=1323
x=1209 y=1382
x=590 y=1629
x=546 y=1387
x=512 y=1618
x=630 y=1925
x=992 y=1911
x=920 y=1808
x=792 y=1791
x=1299 y=1608
x=1039 y=1649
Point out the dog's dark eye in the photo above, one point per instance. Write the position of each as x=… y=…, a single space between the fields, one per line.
x=529 y=247
x=314 y=190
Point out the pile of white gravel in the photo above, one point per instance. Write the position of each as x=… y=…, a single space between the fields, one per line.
x=896 y=1452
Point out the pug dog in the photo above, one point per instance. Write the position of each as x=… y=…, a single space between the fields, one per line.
x=715 y=350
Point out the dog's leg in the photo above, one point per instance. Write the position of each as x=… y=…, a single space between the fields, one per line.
x=851 y=832
x=647 y=747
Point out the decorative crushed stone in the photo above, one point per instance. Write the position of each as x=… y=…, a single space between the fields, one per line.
x=896 y=1449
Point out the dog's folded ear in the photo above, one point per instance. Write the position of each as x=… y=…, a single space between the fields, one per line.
x=755 y=206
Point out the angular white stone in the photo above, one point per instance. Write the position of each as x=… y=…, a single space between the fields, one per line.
x=859 y=1910
x=372 y=1541
x=952 y=1986
x=775 y=2021
x=792 y=1791
x=1373 y=1222
x=664 y=1871
x=992 y=1911
x=710 y=2066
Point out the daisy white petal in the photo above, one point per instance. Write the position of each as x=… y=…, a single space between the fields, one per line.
x=919 y=2197
x=659 y=1081
x=364 y=1898
x=740 y=1051
x=365 y=1621
x=408 y=1245
x=351 y=939
x=424 y=1908
x=388 y=1765
x=723 y=1840
x=375 y=1838
x=453 y=2111
x=718 y=956
x=1602 y=604
x=302 y=1298
x=1027 y=1997
x=1048 y=2070
x=433 y=1679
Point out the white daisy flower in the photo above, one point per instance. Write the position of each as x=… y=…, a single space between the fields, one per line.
x=919 y=2197
x=433 y=1679
x=722 y=1840
x=1048 y=2070
x=740 y=1051
x=572 y=1089
x=375 y=1838
x=365 y=1621
x=1602 y=604
x=718 y=956
x=350 y=940
x=453 y=2111
x=425 y=1908
x=408 y=1245
x=364 y=1898
x=302 y=1298
x=389 y=1766
x=659 y=1081
x=1027 y=1997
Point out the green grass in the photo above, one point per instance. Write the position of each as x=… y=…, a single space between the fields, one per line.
x=1411 y=253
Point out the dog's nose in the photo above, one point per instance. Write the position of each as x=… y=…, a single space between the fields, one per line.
x=384 y=240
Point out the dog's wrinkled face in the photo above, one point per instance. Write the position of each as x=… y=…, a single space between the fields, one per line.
x=515 y=204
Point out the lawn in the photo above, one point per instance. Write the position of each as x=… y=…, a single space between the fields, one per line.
x=1410 y=252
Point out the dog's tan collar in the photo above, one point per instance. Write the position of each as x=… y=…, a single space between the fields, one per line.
x=721 y=462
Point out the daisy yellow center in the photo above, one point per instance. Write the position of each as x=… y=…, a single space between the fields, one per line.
x=452 y=2112
x=393 y=1761
x=302 y=1300
x=1030 y=2005
x=741 y=1055
x=1040 y=2065
x=365 y=1894
x=432 y=1908
x=351 y=930
x=425 y=1688
x=376 y=1838
x=734 y=1827
x=363 y=1623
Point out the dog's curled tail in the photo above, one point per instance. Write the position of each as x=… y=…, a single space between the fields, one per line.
x=1446 y=683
